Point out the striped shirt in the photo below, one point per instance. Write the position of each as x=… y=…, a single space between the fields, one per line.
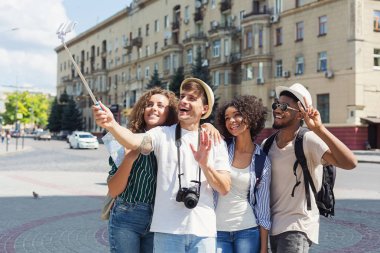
x=142 y=180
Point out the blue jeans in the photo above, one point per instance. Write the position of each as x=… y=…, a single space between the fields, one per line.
x=174 y=243
x=129 y=226
x=241 y=241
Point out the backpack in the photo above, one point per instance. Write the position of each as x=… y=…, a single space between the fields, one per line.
x=324 y=198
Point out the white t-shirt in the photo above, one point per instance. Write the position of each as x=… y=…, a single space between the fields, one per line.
x=173 y=217
x=290 y=213
x=233 y=211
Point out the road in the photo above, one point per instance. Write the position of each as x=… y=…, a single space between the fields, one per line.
x=71 y=185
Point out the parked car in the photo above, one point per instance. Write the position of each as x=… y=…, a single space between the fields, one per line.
x=83 y=140
x=45 y=135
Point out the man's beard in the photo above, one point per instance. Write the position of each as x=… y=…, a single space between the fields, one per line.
x=277 y=126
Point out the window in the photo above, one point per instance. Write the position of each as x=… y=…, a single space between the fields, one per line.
x=216 y=78
x=249 y=72
x=376 y=58
x=299 y=65
x=189 y=56
x=278 y=36
x=376 y=21
x=213 y=4
x=226 y=78
x=322 y=25
x=147 y=72
x=226 y=47
x=138 y=74
x=139 y=32
x=278 y=68
x=156 y=66
x=322 y=61
x=241 y=17
x=156 y=25
x=167 y=63
x=147 y=30
x=299 y=31
x=261 y=70
x=155 y=47
x=249 y=40
x=166 y=21
x=216 y=48
x=260 y=38
x=323 y=106
x=147 y=51
x=187 y=14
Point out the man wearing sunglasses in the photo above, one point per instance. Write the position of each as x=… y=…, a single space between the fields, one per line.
x=294 y=227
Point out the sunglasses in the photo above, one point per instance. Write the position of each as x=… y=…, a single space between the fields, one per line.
x=283 y=107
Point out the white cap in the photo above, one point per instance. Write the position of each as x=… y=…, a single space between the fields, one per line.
x=297 y=90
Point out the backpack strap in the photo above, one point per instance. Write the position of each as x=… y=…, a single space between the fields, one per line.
x=268 y=143
x=259 y=167
x=301 y=159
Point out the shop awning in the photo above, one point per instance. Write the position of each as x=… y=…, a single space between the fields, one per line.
x=371 y=120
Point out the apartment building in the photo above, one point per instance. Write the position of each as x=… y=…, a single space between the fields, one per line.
x=250 y=47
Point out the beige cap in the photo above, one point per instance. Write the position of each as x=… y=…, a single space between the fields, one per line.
x=208 y=91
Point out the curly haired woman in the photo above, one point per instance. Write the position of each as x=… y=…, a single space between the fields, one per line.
x=133 y=184
x=243 y=215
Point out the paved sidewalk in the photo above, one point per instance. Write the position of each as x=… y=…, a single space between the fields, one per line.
x=15 y=145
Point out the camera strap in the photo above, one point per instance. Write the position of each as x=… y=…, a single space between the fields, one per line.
x=178 y=145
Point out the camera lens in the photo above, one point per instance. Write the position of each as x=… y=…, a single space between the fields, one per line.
x=191 y=200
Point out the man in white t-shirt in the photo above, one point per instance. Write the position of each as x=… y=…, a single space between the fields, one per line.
x=195 y=162
x=294 y=227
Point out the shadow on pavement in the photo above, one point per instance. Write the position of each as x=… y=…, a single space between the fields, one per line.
x=52 y=224
x=354 y=228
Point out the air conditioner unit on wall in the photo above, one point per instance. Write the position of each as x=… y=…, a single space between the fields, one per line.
x=329 y=74
x=274 y=18
x=285 y=74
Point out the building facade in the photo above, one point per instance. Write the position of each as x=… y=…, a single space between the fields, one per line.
x=330 y=46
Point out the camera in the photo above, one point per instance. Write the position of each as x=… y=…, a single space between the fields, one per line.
x=189 y=196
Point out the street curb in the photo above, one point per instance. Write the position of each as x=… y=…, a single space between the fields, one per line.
x=366 y=161
x=26 y=148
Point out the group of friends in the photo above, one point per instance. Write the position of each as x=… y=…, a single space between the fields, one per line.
x=186 y=187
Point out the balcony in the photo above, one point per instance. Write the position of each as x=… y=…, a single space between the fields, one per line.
x=235 y=58
x=195 y=37
x=175 y=25
x=225 y=6
x=256 y=12
x=137 y=41
x=198 y=16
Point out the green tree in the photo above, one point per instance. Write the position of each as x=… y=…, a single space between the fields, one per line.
x=31 y=108
x=71 y=117
x=202 y=72
x=176 y=81
x=155 y=81
x=55 y=117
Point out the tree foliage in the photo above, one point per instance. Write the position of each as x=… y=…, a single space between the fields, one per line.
x=55 y=117
x=155 y=81
x=33 y=108
x=71 y=117
x=176 y=81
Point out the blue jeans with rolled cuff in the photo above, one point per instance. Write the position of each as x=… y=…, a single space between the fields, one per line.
x=129 y=226
x=241 y=241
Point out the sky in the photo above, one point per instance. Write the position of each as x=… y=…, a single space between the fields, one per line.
x=28 y=38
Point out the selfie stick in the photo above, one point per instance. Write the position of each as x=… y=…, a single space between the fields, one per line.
x=63 y=29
